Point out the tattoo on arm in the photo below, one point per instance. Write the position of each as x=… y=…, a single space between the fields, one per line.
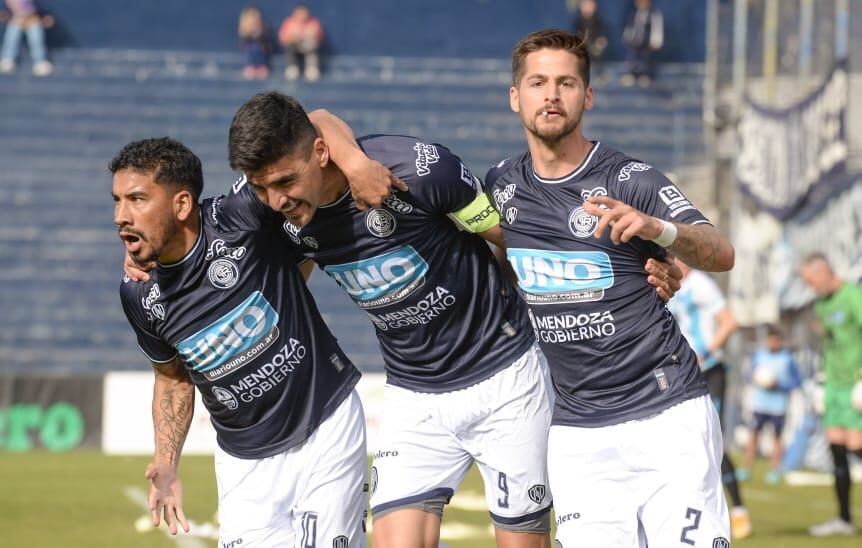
x=173 y=407
x=697 y=245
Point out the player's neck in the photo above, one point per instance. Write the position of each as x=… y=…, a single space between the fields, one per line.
x=183 y=241
x=334 y=184
x=555 y=160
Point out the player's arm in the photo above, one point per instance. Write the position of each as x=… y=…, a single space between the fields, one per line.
x=173 y=407
x=370 y=181
x=726 y=324
x=306 y=267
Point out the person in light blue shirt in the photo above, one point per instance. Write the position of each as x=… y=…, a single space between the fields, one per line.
x=774 y=375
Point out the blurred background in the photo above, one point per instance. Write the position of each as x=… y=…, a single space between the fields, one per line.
x=753 y=107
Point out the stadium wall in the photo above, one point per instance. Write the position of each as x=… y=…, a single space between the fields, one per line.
x=410 y=28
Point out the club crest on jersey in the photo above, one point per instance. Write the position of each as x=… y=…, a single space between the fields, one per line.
x=551 y=277
x=425 y=156
x=581 y=223
x=537 y=493
x=380 y=222
x=720 y=542
x=153 y=308
x=233 y=340
x=311 y=242
x=511 y=214
x=382 y=280
x=219 y=249
x=223 y=273
x=224 y=397
x=292 y=231
x=378 y=323
x=626 y=171
x=339 y=542
x=373 y=479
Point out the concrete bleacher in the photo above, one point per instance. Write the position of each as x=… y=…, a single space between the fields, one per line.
x=59 y=252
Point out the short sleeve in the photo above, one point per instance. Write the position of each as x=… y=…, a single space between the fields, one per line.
x=153 y=346
x=242 y=210
x=647 y=189
x=439 y=181
x=708 y=295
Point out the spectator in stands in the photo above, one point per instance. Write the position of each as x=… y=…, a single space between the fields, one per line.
x=588 y=23
x=775 y=375
x=643 y=35
x=254 y=43
x=301 y=35
x=24 y=19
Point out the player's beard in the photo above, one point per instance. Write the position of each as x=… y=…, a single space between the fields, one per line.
x=152 y=247
x=551 y=135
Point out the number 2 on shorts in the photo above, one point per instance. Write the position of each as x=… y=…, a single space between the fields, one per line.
x=689 y=513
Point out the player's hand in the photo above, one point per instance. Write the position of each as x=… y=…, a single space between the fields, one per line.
x=166 y=497
x=625 y=221
x=136 y=272
x=370 y=181
x=665 y=276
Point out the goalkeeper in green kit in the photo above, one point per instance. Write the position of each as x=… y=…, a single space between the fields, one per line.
x=839 y=309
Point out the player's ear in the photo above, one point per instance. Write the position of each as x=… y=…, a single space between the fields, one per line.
x=588 y=98
x=320 y=152
x=184 y=203
x=513 y=99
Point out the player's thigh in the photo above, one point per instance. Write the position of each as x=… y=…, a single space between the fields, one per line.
x=332 y=505
x=510 y=444
x=595 y=501
x=416 y=458
x=687 y=505
x=409 y=527
x=254 y=500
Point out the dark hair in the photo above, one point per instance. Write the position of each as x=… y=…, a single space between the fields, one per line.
x=773 y=330
x=266 y=128
x=169 y=161
x=551 y=39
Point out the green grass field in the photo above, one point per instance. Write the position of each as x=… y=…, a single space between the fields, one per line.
x=85 y=499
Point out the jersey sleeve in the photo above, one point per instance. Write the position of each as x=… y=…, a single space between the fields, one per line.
x=438 y=179
x=153 y=346
x=242 y=210
x=708 y=296
x=650 y=191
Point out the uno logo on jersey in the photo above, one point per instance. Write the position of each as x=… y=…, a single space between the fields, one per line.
x=232 y=341
x=550 y=277
x=381 y=280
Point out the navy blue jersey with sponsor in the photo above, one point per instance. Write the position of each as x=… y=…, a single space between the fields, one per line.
x=246 y=329
x=445 y=316
x=614 y=350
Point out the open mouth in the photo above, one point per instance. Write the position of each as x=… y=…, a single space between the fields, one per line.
x=133 y=242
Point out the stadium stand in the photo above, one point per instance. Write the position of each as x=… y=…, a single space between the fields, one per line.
x=58 y=246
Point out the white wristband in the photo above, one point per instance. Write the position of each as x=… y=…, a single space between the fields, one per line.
x=668 y=234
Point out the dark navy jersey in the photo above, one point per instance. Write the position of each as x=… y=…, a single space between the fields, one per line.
x=445 y=316
x=247 y=330
x=615 y=352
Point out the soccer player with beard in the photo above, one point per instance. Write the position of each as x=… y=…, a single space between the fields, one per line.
x=635 y=445
x=223 y=313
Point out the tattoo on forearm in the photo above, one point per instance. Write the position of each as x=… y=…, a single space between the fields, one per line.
x=697 y=247
x=175 y=406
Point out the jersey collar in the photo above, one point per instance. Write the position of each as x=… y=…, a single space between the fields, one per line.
x=580 y=169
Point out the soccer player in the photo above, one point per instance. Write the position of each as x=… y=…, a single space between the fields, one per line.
x=707 y=323
x=465 y=381
x=635 y=445
x=225 y=314
x=839 y=309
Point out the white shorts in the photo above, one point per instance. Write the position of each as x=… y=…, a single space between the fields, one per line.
x=313 y=495
x=428 y=442
x=655 y=480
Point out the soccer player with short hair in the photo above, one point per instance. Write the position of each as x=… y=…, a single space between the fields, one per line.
x=465 y=381
x=635 y=445
x=839 y=309
x=223 y=313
